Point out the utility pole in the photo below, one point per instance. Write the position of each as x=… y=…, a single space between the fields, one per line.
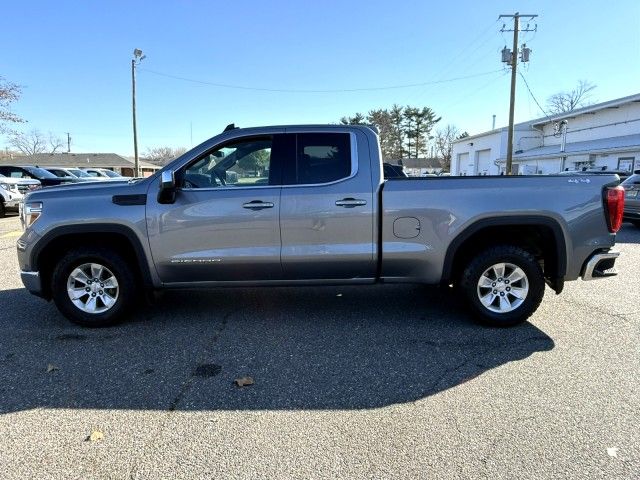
x=137 y=58
x=68 y=142
x=511 y=58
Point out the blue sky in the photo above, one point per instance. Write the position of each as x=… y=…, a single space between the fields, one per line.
x=73 y=60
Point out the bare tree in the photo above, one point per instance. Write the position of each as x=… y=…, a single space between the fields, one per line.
x=54 y=143
x=444 y=144
x=162 y=155
x=569 y=100
x=9 y=93
x=32 y=142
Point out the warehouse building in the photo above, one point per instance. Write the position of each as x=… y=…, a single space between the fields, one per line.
x=604 y=136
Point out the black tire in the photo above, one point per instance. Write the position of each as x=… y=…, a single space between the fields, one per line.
x=120 y=270
x=2 y=209
x=485 y=260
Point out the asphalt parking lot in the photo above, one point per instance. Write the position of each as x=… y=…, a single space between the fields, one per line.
x=375 y=382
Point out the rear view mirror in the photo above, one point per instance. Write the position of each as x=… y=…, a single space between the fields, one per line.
x=167 y=191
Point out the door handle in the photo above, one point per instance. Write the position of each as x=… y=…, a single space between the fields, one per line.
x=257 y=205
x=350 y=202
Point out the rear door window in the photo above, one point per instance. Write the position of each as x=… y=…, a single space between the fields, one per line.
x=322 y=157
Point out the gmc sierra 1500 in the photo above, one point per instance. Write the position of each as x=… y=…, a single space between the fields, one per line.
x=305 y=205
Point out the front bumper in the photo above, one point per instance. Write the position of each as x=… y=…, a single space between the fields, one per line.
x=31 y=281
x=600 y=265
x=13 y=205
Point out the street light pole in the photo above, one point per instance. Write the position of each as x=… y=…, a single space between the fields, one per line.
x=137 y=58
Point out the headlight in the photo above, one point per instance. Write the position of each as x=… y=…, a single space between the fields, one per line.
x=31 y=212
x=5 y=186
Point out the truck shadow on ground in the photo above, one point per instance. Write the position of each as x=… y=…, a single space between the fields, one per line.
x=306 y=348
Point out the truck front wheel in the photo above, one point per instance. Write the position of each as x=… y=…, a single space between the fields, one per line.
x=504 y=285
x=93 y=287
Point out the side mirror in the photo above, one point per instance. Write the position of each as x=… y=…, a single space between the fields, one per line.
x=167 y=191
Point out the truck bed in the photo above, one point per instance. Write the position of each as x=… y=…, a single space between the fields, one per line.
x=422 y=217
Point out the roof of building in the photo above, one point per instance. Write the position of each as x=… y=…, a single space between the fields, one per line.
x=600 y=145
x=615 y=103
x=84 y=160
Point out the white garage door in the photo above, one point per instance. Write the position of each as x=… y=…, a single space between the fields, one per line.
x=483 y=162
x=463 y=164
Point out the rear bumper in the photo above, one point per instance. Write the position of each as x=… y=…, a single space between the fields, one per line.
x=31 y=281
x=599 y=265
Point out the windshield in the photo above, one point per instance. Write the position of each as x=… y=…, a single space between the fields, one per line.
x=79 y=173
x=39 y=172
x=632 y=180
x=111 y=173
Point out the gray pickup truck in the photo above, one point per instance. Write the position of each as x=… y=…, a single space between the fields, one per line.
x=309 y=205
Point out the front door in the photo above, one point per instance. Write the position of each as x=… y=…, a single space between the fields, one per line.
x=327 y=210
x=223 y=225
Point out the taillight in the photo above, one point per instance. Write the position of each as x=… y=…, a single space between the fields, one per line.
x=614 y=203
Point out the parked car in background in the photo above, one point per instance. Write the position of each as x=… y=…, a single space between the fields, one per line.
x=46 y=179
x=69 y=174
x=632 y=199
x=10 y=196
x=78 y=172
x=393 y=171
x=104 y=174
x=23 y=185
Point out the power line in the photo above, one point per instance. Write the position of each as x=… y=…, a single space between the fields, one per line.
x=457 y=58
x=532 y=95
x=338 y=90
x=461 y=99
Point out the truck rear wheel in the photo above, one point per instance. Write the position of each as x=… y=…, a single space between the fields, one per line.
x=504 y=285
x=93 y=287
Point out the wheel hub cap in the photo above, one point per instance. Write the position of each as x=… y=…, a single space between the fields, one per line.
x=503 y=287
x=92 y=288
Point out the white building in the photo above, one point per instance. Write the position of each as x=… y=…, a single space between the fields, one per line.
x=605 y=135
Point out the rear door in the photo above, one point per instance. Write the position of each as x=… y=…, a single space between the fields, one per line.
x=327 y=208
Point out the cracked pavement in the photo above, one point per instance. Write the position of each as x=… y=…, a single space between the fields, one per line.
x=391 y=381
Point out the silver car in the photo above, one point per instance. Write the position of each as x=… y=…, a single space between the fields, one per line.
x=632 y=199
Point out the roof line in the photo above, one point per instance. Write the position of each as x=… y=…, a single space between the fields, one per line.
x=578 y=111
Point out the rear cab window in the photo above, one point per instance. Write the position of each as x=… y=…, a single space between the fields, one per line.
x=319 y=158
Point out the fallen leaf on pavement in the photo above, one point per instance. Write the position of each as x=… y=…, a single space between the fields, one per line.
x=95 y=436
x=51 y=368
x=244 y=381
x=613 y=451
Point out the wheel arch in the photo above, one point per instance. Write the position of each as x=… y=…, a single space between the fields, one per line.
x=541 y=233
x=118 y=237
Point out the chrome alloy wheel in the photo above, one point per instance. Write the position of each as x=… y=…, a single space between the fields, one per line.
x=503 y=287
x=92 y=288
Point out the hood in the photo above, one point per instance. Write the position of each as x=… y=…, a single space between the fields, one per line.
x=18 y=181
x=86 y=190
